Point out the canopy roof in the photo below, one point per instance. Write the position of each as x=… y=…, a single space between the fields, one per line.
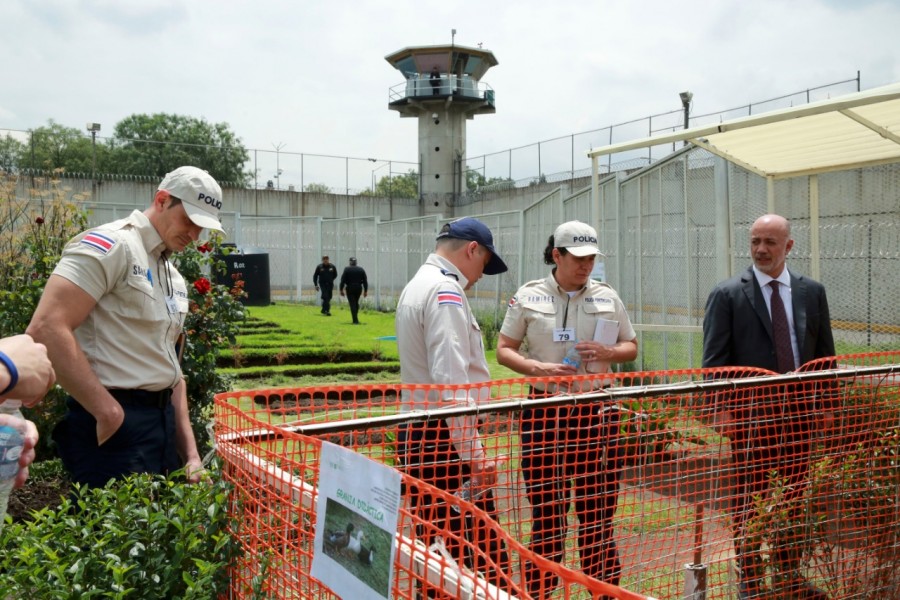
x=848 y=132
x=461 y=60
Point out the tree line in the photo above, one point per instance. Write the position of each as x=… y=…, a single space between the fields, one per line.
x=151 y=145
x=141 y=144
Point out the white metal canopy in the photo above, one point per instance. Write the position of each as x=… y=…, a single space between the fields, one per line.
x=848 y=132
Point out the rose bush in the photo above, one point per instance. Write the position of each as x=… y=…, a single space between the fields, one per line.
x=214 y=315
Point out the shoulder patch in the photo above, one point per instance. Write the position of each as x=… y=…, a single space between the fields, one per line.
x=449 y=297
x=98 y=241
x=512 y=302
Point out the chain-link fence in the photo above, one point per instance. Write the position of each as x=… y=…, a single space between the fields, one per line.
x=563 y=158
x=669 y=233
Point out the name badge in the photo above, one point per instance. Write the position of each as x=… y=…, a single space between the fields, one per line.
x=170 y=304
x=566 y=334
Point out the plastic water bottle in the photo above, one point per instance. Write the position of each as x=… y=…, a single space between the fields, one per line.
x=11 y=443
x=465 y=492
x=572 y=358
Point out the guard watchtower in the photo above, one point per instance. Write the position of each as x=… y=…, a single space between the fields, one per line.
x=443 y=89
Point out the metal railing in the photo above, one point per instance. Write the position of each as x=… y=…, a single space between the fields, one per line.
x=423 y=86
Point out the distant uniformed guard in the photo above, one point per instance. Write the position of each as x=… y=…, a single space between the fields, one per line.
x=355 y=283
x=559 y=316
x=323 y=279
x=110 y=316
x=440 y=343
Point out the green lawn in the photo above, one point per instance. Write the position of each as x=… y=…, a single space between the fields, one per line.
x=294 y=344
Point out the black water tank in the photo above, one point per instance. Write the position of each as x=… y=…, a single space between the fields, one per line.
x=252 y=266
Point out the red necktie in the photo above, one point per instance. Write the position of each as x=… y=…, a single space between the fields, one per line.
x=784 y=354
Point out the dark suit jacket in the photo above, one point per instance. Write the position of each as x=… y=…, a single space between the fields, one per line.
x=737 y=329
x=737 y=332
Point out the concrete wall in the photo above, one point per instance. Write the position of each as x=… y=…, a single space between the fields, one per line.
x=249 y=202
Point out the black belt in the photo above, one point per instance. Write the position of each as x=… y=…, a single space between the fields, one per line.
x=143 y=398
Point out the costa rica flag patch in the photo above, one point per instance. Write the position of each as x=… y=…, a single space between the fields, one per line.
x=450 y=298
x=99 y=242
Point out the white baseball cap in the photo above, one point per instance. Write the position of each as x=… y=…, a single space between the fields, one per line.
x=198 y=192
x=579 y=239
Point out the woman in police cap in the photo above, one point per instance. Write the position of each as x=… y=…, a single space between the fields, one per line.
x=572 y=324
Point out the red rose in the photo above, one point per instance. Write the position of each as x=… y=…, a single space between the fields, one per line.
x=202 y=286
x=203 y=249
x=39 y=220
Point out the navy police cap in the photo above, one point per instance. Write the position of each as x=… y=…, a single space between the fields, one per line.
x=474 y=230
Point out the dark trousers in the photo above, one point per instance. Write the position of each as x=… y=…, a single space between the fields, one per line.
x=353 y=294
x=326 y=298
x=772 y=438
x=426 y=453
x=145 y=443
x=572 y=452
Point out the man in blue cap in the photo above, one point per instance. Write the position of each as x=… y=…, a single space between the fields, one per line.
x=440 y=343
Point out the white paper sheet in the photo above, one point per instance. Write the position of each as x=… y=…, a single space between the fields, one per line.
x=606 y=332
x=356 y=519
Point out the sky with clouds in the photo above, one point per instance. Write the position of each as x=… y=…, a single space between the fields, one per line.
x=311 y=77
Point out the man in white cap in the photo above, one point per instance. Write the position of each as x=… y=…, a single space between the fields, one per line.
x=110 y=316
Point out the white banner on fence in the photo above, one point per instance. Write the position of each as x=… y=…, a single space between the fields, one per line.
x=356 y=519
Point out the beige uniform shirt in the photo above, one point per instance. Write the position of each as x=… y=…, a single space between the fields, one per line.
x=541 y=306
x=440 y=343
x=129 y=337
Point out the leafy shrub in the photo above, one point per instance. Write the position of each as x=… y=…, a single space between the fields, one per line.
x=490 y=324
x=33 y=233
x=645 y=430
x=144 y=537
x=849 y=504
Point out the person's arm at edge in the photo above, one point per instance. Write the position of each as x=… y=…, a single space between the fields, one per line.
x=35 y=372
x=185 y=442
x=62 y=308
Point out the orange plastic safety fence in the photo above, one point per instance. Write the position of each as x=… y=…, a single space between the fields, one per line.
x=668 y=484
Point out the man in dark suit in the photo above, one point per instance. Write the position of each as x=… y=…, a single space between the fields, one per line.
x=771 y=318
x=354 y=282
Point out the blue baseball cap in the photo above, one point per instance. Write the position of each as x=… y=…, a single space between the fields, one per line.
x=474 y=230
